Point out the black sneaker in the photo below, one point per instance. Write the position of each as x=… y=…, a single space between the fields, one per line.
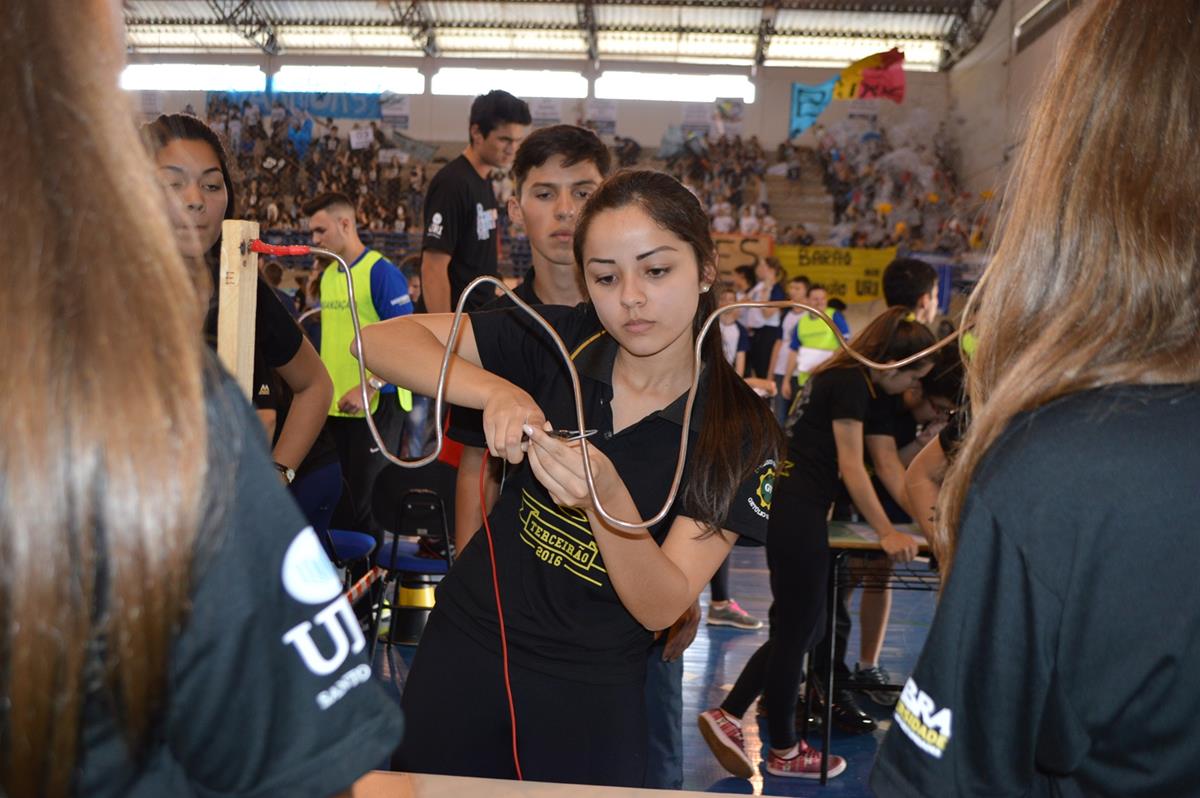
x=848 y=716
x=877 y=675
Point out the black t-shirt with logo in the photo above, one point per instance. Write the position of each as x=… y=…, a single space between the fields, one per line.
x=460 y=220
x=1061 y=657
x=841 y=393
x=269 y=689
x=562 y=615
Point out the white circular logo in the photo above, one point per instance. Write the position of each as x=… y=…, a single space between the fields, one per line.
x=308 y=575
x=437 y=219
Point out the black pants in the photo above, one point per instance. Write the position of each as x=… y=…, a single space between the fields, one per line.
x=360 y=465
x=457 y=719
x=762 y=343
x=719 y=586
x=798 y=560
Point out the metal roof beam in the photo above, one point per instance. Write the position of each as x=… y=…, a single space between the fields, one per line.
x=968 y=31
x=766 y=28
x=248 y=20
x=416 y=18
x=586 y=11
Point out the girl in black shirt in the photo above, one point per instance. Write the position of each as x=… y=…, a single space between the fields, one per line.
x=581 y=597
x=192 y=166
x=844 y=406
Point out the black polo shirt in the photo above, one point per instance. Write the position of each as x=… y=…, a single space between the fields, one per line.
x=460 y=220
x=842 y=393
x=466 y=423
x=1061 y=657
x=562 y=615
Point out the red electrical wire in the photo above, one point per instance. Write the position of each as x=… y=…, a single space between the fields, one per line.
x=512 y=712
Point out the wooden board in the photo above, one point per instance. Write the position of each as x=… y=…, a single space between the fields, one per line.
x=237 y=295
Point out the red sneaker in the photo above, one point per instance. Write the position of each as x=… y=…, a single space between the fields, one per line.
x=806 y=764
x=724 y=737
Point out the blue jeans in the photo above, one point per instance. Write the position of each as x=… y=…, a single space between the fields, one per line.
x=664 y=720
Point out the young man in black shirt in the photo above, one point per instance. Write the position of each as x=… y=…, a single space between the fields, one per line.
x=460 y=207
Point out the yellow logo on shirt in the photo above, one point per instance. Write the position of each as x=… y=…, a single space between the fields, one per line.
x=560 y=537
x=766 y=486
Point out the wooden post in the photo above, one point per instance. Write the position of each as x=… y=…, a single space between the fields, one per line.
x=237 y=300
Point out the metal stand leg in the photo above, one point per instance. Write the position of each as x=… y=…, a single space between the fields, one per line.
x=831 y=621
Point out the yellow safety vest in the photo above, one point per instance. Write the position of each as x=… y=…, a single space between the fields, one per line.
x=813 y=333
x=337 y=329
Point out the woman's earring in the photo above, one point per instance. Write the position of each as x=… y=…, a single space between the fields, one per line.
x=704 y=289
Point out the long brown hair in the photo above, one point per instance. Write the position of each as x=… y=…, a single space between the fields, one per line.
x=1095 y=278
x=738 y=432
x=104 y=454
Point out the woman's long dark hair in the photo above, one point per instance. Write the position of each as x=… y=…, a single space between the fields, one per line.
x=893 y=335
x=738 y=433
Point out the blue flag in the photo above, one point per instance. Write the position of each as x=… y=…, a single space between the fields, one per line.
x=808 y=103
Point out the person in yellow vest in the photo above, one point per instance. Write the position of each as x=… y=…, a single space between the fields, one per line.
x=380 y=292
x=813 y=342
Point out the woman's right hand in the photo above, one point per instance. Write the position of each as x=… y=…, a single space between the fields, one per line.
x=508 y=409
x=900 y=547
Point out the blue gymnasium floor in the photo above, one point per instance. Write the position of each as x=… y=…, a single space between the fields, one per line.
x=715 y=659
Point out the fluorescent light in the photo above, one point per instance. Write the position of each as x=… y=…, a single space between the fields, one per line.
x=468 y=82
x=362 y=80
x=666 y=86
x=192 y=77
x=825 y=51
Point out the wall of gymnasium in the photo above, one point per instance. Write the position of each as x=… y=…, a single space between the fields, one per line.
x=990 y=92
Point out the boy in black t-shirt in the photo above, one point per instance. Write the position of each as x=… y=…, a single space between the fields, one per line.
x=460 y=207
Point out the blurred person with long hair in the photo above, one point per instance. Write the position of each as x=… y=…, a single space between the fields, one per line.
x=168 y=625
x=1059 y=661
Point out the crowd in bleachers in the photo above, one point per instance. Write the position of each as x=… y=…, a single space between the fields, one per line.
x=890 y=187
x=284 y=158
x=896 y=187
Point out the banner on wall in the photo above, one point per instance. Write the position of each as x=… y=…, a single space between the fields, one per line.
x=696 y=118
x=735 y=250
x=396 y=109
x=850 y=274
x=601 y=116
x=808 y=103
x=337 y=106
x=545 y=112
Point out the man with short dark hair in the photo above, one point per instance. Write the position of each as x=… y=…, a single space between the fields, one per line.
x=380 y=292
x=912 y=283
x=460 y=207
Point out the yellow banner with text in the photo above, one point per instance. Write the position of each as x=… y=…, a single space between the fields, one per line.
x=850 y=274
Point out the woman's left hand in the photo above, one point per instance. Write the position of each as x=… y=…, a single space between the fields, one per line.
x=558 y=465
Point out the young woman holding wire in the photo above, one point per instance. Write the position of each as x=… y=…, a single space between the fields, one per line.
x=582 y=598
x=845 y=411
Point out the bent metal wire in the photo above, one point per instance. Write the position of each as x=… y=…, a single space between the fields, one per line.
x=439 y=398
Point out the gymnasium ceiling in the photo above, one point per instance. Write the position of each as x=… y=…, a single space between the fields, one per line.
x=933 y=33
